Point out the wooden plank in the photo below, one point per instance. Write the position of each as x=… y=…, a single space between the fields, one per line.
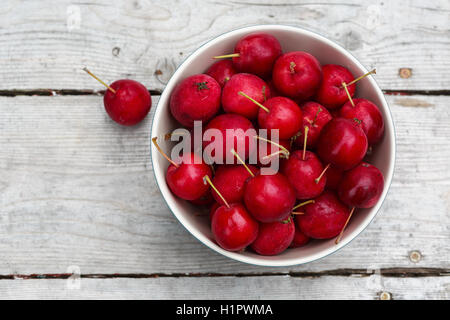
x=78 y=190
x=45 y=44
x=274 y=287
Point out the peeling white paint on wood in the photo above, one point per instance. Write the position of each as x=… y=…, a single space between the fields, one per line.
x=46 y=44
x=77 y=191
x=271 y=287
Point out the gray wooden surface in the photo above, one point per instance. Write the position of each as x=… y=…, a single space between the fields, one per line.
x=77 y=193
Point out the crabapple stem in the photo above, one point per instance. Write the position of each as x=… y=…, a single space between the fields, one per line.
x=253 y=100
x=323 y=172
x=303 y=204
x=208 y=180
x=231 y=55
x=374 y=71
x=99 y=80
x=274 y=154
x=287 y=220
x=293 y=138
x=319 y=110
x=304 y=141
x=242 y=162
x=286 y=151
x=346 y=222
x=297 y=212
x=169 y=135
x=348 y=93
x=162 y=152
x=264 y=93
x=292 y=66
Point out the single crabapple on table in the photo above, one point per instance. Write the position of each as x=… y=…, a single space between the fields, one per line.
x=126 y=101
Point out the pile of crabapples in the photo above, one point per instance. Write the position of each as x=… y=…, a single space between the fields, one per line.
x=324 y=135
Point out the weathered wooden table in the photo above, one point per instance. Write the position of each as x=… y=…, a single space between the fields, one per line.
x=77 y=193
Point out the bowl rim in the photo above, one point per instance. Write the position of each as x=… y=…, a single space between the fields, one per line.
x=389 y=125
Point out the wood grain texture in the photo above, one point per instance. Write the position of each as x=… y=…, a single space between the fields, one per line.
x=45 y=44
x=78 y=190
x=279 y=287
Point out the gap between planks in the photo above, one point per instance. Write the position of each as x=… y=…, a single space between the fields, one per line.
x=385 y=272
x=59 y=92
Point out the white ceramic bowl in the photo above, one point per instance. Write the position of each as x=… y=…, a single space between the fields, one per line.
x=291 y=39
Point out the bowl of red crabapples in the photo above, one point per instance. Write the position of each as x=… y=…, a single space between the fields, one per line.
x=302 y=190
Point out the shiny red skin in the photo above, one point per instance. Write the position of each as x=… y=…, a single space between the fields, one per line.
x=323 y=219
x=300 y=239
x=275 y=237
x=334 y=177
x=230 y=181
x=285 y=143
x=304 y=81
x=236 y=122
x=269 y=198
x=233 y=227
x=302 y=174
x=342 y=143
x=130 y=104
x=284 y=115
x=186 y=180
x=315 y=117
x=331 y=94
x=251 y=85
x=371 y=118
x=361 y=186
x=257 y=54
x=213 y=209
x=191 y=101
x=222 y=71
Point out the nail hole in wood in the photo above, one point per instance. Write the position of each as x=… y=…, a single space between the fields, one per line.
x=415 y=256
x=115 y=51
x=405 y=73
x=384 y=295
